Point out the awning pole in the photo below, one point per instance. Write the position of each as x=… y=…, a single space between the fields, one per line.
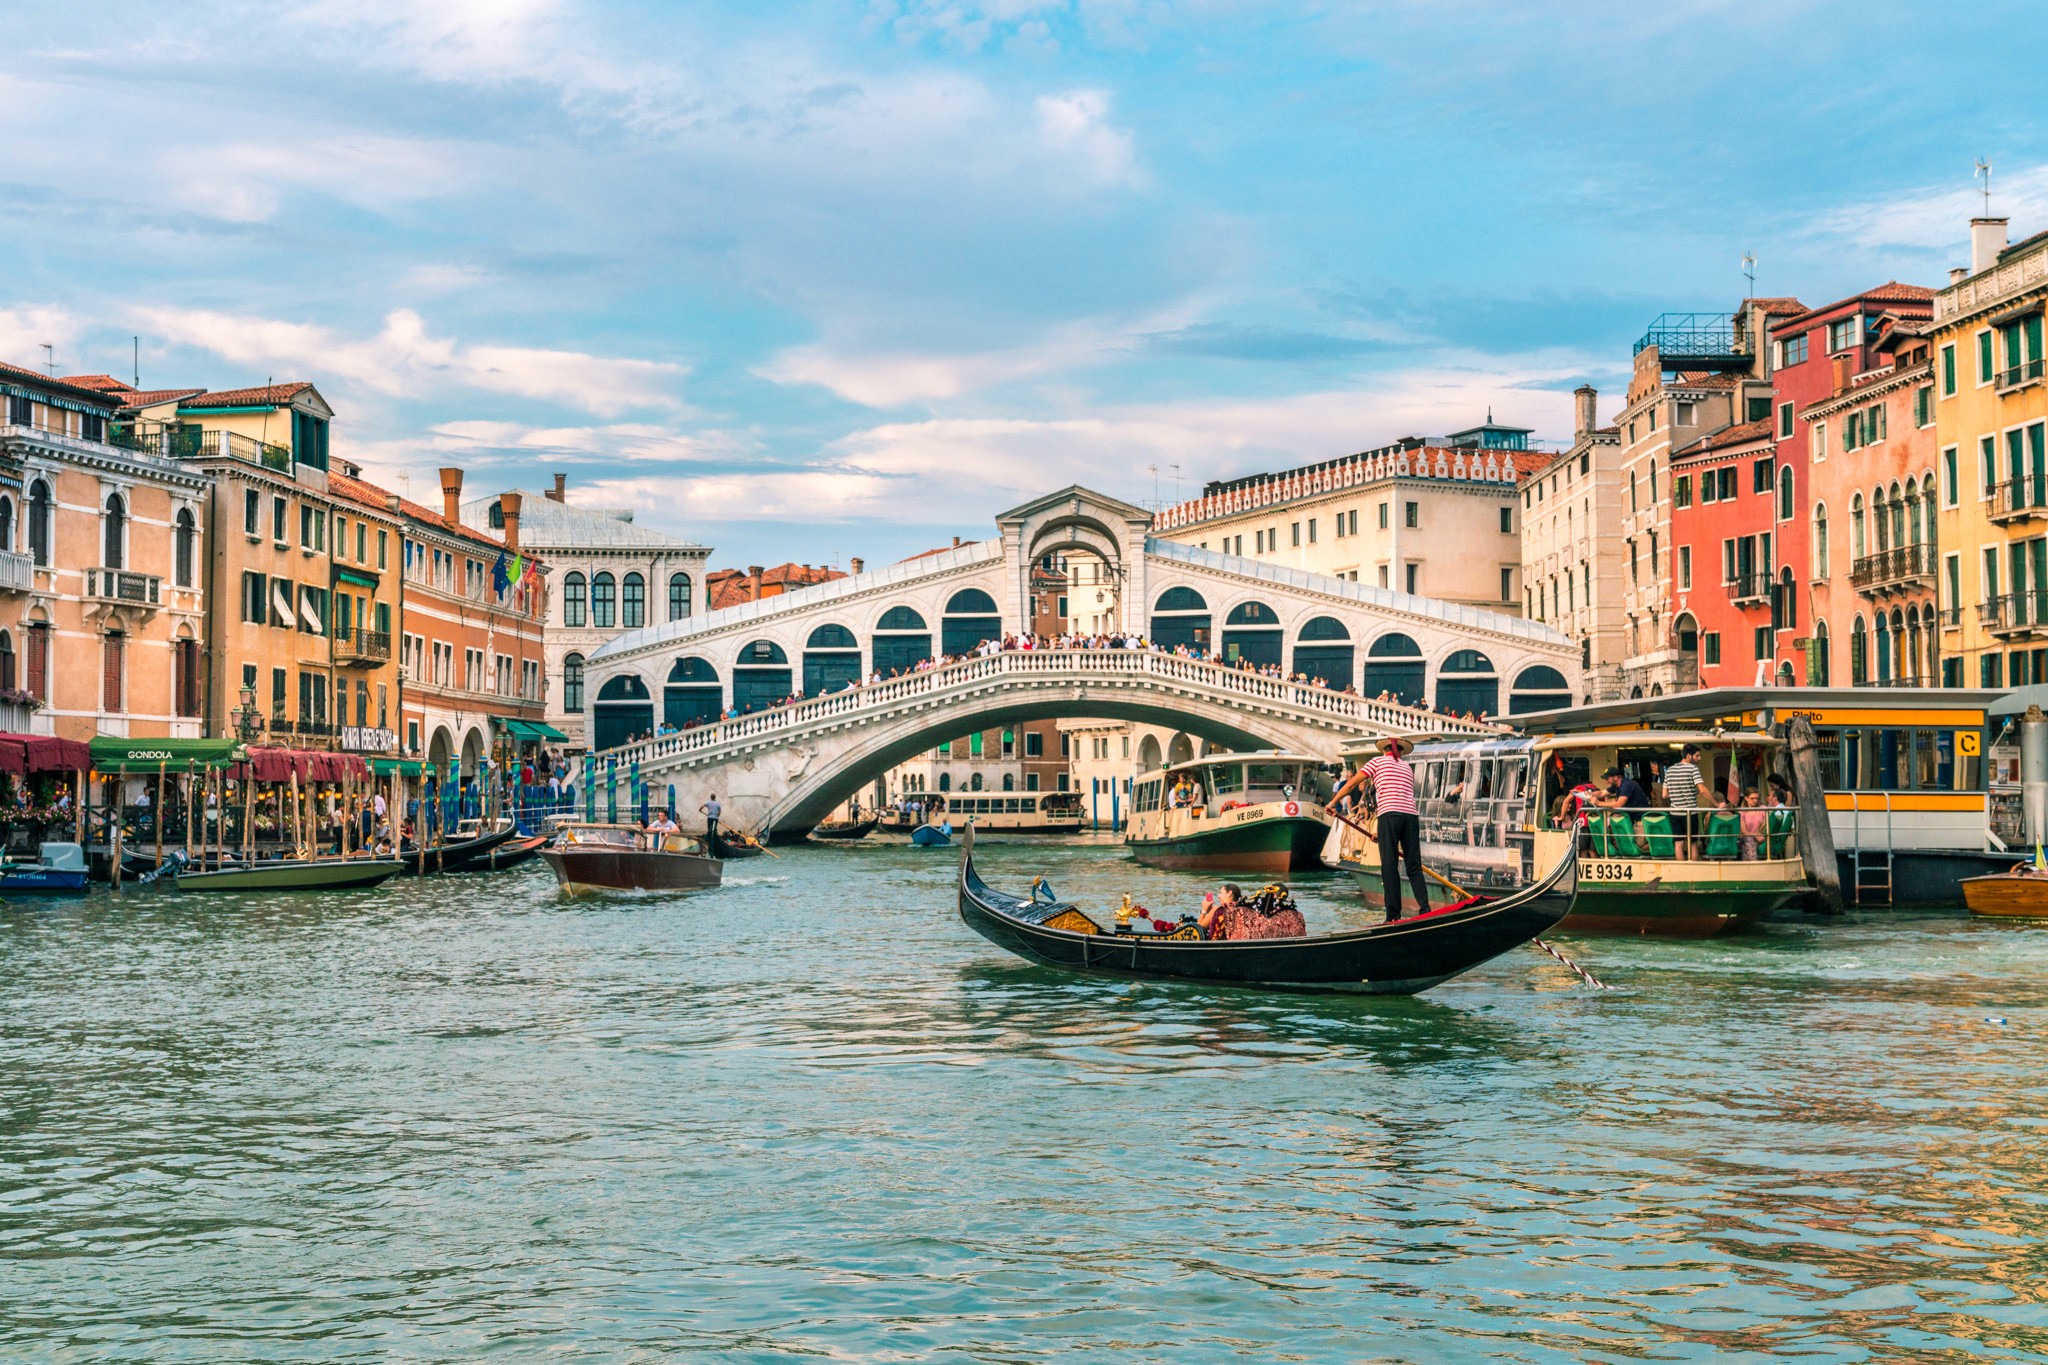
x=159 y=813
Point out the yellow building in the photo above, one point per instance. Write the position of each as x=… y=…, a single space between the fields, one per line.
x=1991 y=420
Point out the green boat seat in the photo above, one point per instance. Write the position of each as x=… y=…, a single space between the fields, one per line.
x=1779 y=826
x=1724 y=834
x=1657 y=836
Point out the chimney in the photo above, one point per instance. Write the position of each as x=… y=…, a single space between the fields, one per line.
x=1956 y=274
x=956 y=542
x=1987 y=239
x=508 y=508
x=561 y=489
x=1585 y=406
x=451 y=495
x=856 y=562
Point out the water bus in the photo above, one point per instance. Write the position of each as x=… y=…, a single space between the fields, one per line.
x=1497 y=814
x=992 y=812
x=1922 y=783
x=1254 y=812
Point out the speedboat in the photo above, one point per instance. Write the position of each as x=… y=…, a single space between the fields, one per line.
x=59 y=869
x=591 y=857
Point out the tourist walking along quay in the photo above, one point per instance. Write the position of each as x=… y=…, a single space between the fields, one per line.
x=1026 y=682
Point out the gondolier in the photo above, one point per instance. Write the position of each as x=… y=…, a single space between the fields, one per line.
x=711 y=810
x=1392 y=784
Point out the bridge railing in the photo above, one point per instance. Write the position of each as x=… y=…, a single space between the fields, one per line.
x=882 y=697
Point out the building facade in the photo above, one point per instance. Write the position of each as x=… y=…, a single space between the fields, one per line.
x=609 y=576
x=1991 y=424
x=1571 y=566
x=1438 y=517
x=1726 y=522
x=102 y=593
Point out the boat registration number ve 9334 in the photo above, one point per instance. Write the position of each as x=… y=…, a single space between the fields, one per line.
x=1610 y=872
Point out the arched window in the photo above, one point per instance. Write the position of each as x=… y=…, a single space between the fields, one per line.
x=1252 y=632
x=1883 y=632
x=1898 y=519
x=624 y=708
x=970 y=618
x=114 y=540
x=573 y=590
x=6 y=523
x=1538 y=688
x=1180 y=619
x=974 y=782
x=1785 y=493
x=694 y=695
x=39 y=522
x=1393 y=665
x=185 y=542
x=7 y=670
x=1466 y=682
x=1323 y=650
x=602 y=594
x=831 y=660
x=760 y=676
x=633 y=602
x=1859 y=653
x=1856 y=546
x=1820 y=541
x=572 y=684
x=1785 y=608
x=902 y=641
x=1819 y=663
x=1009 y=782
x=678 y=596
x=945 y=782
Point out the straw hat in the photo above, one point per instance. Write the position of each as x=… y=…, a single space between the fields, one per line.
x=1397 y=745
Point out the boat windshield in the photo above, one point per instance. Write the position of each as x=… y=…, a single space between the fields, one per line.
x=1225 y=779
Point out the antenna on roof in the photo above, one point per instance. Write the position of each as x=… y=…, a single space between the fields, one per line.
x=1984 y=174
x=1176 y=481
x=1749 y=271
x=50 y=358
x=138 y=360
x=1155 y=485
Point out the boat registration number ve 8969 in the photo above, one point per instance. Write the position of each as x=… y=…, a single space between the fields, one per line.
x=1610 y=872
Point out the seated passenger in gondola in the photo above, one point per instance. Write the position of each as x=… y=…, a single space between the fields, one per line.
x=1270 y=914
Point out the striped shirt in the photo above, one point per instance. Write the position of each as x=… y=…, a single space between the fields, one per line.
x=1393 y=785
x=1682 y=786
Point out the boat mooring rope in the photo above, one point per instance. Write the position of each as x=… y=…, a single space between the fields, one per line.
x=1591 y=980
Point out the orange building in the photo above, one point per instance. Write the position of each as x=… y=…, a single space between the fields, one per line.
x=102 y=594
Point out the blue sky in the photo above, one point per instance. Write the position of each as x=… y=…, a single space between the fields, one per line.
x=810 y=280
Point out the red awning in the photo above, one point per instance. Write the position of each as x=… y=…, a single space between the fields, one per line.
x=272 y=764
x=43 y=754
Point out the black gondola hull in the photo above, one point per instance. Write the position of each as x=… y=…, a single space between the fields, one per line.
x=1401 y=958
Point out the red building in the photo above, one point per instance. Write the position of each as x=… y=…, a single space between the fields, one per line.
x=1853 y=414
x=1732 y=516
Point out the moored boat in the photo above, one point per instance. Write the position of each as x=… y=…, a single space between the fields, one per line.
x=59 y=869
x=1397 y=958
x=467 y=847
x=933 y=836
x=2018 y=894
x=592 y=857
x=1501 y=812
x=290 y=874
x=729 y=844
x=1253 y=812
x=846 y=829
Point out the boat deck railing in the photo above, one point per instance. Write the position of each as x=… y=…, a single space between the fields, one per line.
x=1662 y=835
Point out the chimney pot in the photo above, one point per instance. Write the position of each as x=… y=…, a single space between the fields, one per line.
x=1956 y=274
x=1987 y=239
x=753 y=570
x=857 y=564
x=508 y=508
x=956 y=542
x=451 y=495
x=1585 y=403
x=561 y=488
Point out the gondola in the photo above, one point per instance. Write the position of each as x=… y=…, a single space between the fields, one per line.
x=726 y=846
x=1400 y=958
x=846 y=829
x=455 y=855
x=510 y=854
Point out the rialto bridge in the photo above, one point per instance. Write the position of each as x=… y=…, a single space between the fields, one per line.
x=784 y=767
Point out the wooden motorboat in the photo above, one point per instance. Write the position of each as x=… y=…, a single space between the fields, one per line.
x=734 y=844
x=289 y=874
x=846 y=829
x=1398 y=958
x=59 y=870
x=593 y=857
x=2018 y=894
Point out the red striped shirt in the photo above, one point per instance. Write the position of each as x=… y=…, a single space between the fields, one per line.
x=1393 y=785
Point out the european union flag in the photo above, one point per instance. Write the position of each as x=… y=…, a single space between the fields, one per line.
x=499 y=579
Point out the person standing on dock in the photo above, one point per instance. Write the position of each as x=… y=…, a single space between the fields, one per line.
x=1392 y=783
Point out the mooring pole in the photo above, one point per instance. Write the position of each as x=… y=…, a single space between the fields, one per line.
x=1816 y=836
x=2034 y=777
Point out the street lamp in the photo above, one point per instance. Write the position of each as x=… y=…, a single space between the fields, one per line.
x=248 y=721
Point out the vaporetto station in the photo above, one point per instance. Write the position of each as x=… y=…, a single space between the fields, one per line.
x=782 y=768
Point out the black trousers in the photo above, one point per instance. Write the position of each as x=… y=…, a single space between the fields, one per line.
x=1401 y=838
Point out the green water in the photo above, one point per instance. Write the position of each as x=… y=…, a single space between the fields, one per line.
x=811 y=1116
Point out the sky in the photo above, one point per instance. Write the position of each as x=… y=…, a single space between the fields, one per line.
x=808 y=281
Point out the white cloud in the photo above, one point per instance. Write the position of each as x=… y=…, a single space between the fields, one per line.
x=247 y=181
x=404 y=360
x=1936 y=219
x=23 y=331
x=1078 y=122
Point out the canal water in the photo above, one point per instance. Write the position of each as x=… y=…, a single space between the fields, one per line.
x=811 y=1116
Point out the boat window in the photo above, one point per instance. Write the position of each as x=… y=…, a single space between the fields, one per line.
x=1226 y=779
x=1429 y=779
x=1896 y=758
x=1482 y=780
x=1514 y=776
x=1270 y=775
x=1453 y=786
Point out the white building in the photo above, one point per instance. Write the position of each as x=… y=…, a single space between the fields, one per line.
x=609 y=576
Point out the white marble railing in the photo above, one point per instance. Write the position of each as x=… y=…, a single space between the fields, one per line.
x=877 y=701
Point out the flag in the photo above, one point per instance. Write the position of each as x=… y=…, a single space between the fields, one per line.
x=518 y=571
x=499 y=582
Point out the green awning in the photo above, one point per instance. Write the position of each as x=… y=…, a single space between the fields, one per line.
x=111 y=755
x=404 y=767
x=357 y=577
x=532 y=729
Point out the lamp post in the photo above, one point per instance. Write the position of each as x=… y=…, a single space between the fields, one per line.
x=247 y=720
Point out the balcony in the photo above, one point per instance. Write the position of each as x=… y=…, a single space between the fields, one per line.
x=1890 y=571
x=363 y=648
x=17 y=572
x=180 y=442
x=2020 y=375
x=1694 y=341
x=1750 y=589
x=119 y=594
x=2018 y=500
x=2015 y=615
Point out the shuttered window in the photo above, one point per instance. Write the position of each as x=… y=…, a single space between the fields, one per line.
x=39 y=660
x=111 y=664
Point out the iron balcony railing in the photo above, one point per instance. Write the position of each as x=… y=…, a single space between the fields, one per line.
x=2014 y=613
x=1703 y=336
x=364 y=646
x=2013 y=376
x=190 y=443
x=1894 y=568
x=119 y=585
x=1750 y=587
x=2019 y=499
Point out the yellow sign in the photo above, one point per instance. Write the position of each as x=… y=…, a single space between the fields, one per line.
x=1967 y=742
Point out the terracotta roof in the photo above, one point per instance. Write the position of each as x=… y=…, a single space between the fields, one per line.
x=105 y=383
x=730 y=587
x=1742 y=433
x=1773 y=307
x=370 y=495
x=1891 y=291
x=275 y=395
x=48 y=381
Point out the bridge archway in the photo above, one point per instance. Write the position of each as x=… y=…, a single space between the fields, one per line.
x=1150 y=759
x=1322 y=649
x=900 y=641
x=1179 y=749
x=1393 y=664
x=693 y=693
x=1251 y=633
x=831 y=660
x=624 y=708
x=760 y=677
x=1180 y=618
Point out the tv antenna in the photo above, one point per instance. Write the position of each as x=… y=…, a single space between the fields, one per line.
x=49 y=358
x=1176 y=481
x=1984 y=174
x=1749 y=271
x=1155 y=485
